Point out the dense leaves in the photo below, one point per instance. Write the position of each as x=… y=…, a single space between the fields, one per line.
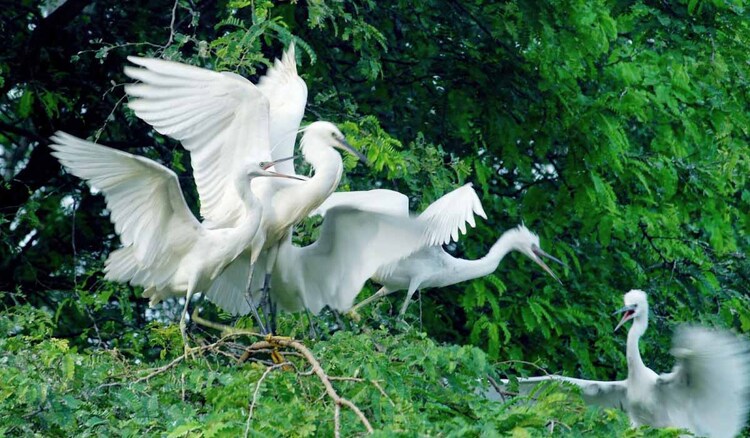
x=616 y=130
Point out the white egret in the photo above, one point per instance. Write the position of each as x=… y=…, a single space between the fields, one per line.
x=287 y=96
x=165 y=249
x=432 y=266
x=214 y=114
x=707 y=392
x=352 y=245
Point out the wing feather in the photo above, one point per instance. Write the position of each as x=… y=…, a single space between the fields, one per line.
x=144 y=198
x=287 y=95
x=221 y=118
x=611 y=394
x=229 y=289
x=379 y=201
x=449 y=214
x=352 y=245
x=708 y=391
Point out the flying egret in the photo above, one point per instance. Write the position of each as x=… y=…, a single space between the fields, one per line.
x=432 y=266
x=352 y=245
x=213 y=114
x=707 y=392
x=165 y=249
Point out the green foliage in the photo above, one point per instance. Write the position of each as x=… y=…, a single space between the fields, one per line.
x=615 y=130
x=50 y=388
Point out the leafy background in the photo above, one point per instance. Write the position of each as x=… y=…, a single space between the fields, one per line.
x=616 y=130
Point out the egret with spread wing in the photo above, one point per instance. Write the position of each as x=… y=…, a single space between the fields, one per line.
x=214 y=115
x=165 y=249
x=707 y=392
x=432 y=266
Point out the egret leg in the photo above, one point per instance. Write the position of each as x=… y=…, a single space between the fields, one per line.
x=265 y=301
x=383 y=291
x=274 y=310
x=254 y=311
x=183 y=323
x=339 y=321
x=313 y=332
x=407 y=301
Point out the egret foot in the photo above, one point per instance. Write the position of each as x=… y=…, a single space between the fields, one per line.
x=353 y=315
x=188 y=351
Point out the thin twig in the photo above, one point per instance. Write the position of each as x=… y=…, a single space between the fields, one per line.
x=255 y=395
x=273 y=341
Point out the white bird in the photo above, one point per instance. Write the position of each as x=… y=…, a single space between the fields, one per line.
x=165 y=249
x=214 y=114
x=432 y=266
x=352 y=245
x=707 y=392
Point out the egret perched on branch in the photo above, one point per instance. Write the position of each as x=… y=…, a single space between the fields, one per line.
x=432 y=266
x=165 y=249
x=214 y=114
x=707 y=392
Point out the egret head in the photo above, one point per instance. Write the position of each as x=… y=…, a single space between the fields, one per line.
x=254 y=169
x=329 y=134
x=636 y=306
x=527 y=243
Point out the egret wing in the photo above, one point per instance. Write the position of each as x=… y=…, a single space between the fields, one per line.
x=449 y=214
x=221 y=118
x=600 y=393
x=379 y=201
x=709 y=388
x=145 y=201
x=352 y=245
x=229 y=289
x=287 y=95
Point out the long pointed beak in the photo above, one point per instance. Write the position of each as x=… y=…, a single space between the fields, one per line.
x=344 y=144
x=283 y=175
x=539 y=253
x=628 y=315
x=270 y=164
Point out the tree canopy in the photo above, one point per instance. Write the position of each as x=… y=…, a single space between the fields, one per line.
x=617 y=131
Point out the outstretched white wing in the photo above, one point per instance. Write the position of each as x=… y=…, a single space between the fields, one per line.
x=450 y=213
x=352 y=245
x=144 y=198
x=605 y=394
x=709 y=388
x=444 y=217
x=221 y=118
x=287 y=95
x=378 y=200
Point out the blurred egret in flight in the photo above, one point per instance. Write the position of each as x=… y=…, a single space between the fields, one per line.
x=707 y=392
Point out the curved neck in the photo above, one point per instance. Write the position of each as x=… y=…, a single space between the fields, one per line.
x=327 y=166
x=470 y=269
x=635 y=363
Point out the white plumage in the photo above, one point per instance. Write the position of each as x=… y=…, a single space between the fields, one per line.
x=431 y=265
x=707 y=392
x=222 y=118
x=165 y=249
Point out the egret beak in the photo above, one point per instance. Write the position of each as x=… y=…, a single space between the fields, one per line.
x=346 y=146
x=538 y=254
x=270 y=164
x=629 y=313
x=282 y=175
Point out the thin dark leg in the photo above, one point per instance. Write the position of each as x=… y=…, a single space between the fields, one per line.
x=342 y=325
x=254 y=310
x=313 y=332
x=274 y=310
x=265 y=301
